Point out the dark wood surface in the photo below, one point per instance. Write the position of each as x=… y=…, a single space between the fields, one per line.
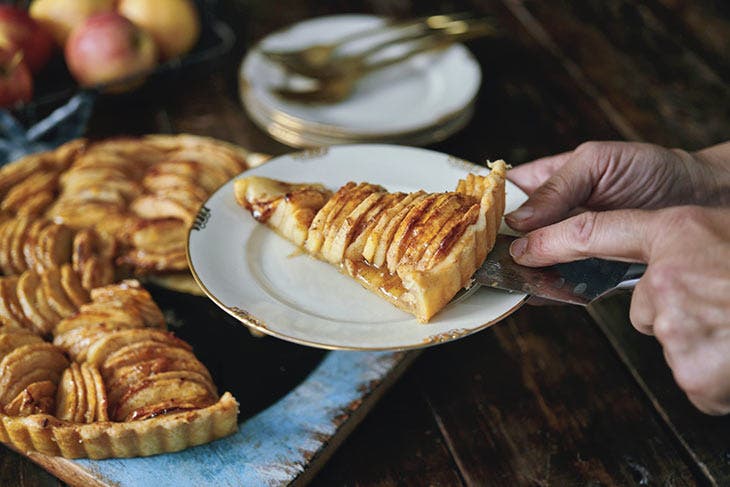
x=553 y=395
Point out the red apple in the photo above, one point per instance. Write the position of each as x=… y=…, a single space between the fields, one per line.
x=108 y=47
x=16 y=82
x=18 y=27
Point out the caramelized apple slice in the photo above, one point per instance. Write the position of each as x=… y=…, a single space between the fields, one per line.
x=37 y=398
x=41 y=302
x=53 y=290
x=77 y=340
x=6 y=237
x=11 y=311
x=114 y=313
x=81 y=394
x=15 y=172
x=165 y=391
x=122 y=384
x=27 y=364
x=209 y=156
x=92 y=174
x=341 y=221
x=156 y=207
x=384 y=234
x=318 y=228
x=409 y=227
x=160 y=236
x=67 y=397
x=102 y=406
x=97 y=272
x=130 y=293
x=11 y=341
x=55 y=244
x=17 y=240
x=36 y=183
x=87 y=375
x=36 y=204
x=452 y=206
x=287 y=208
x=30 y=253
x=189 y=192
x=146 y=262
x=153 y=356
x=448 y=232
x=72 y=286
x=27 y=288
x=111 y=342
x=210 y=177
x=367 y=223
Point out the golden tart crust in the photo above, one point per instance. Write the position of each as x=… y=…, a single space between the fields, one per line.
x=415 y=250
x=49 y=435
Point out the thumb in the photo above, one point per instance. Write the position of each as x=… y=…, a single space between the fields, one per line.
x=618 y=235
x=568 y=187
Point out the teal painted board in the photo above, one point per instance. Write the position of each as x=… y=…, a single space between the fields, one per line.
x=276 y=446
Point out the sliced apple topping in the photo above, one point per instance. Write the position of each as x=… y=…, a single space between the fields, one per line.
x=21 y=193
x=37 y=398
x=30 y=363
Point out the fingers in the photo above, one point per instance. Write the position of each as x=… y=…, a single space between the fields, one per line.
x=532 y=175
x=642 y=312
x=567 y=188
x=617 y=235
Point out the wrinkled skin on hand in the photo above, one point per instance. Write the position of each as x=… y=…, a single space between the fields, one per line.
x=641 y=203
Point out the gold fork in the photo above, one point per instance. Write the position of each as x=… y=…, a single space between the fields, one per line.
x=336 y=88
x=321 y=60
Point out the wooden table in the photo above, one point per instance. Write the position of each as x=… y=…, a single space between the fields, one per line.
x=553 y=395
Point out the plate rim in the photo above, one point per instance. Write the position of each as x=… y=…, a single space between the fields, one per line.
x=251 y=321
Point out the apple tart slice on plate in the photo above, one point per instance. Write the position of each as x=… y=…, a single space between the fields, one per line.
x=378 y=264
x=416 y=250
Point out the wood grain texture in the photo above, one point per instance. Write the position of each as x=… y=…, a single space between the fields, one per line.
x=18 y=470
x=405 y=445
x=664 y=90
x=542 y=400
x=703 y=437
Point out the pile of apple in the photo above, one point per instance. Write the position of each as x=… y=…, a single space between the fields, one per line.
x=102 y=40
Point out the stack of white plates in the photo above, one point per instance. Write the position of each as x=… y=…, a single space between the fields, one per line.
x=419 y=101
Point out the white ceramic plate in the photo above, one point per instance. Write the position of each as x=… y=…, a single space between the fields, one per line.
x=410 y=96
x=263 y=280
x=301 y=137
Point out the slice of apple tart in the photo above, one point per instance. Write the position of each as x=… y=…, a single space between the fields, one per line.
x=416 y=250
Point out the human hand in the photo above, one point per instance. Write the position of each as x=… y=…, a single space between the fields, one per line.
x=614 y=175
x=684 y=296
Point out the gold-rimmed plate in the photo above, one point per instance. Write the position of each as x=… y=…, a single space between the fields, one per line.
x=415 y=96
x=265 y=282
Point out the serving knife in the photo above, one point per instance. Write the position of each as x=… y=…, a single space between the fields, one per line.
x=579 y=282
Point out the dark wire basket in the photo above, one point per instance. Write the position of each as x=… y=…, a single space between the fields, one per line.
x=60 y=108
x=54 y=85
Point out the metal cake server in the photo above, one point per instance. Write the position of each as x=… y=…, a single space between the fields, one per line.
x=577 y=282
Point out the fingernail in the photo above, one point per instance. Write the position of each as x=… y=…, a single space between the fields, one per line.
x=521 y=213
x=518 y=247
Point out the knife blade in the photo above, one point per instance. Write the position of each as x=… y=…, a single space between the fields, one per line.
x=578 y=282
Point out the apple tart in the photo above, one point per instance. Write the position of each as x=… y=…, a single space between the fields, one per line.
x=87 y=366
x=141 y=193
x=113 y=382
x=416 y=250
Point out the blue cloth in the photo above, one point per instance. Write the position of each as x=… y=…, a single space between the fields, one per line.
x=65 y=123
